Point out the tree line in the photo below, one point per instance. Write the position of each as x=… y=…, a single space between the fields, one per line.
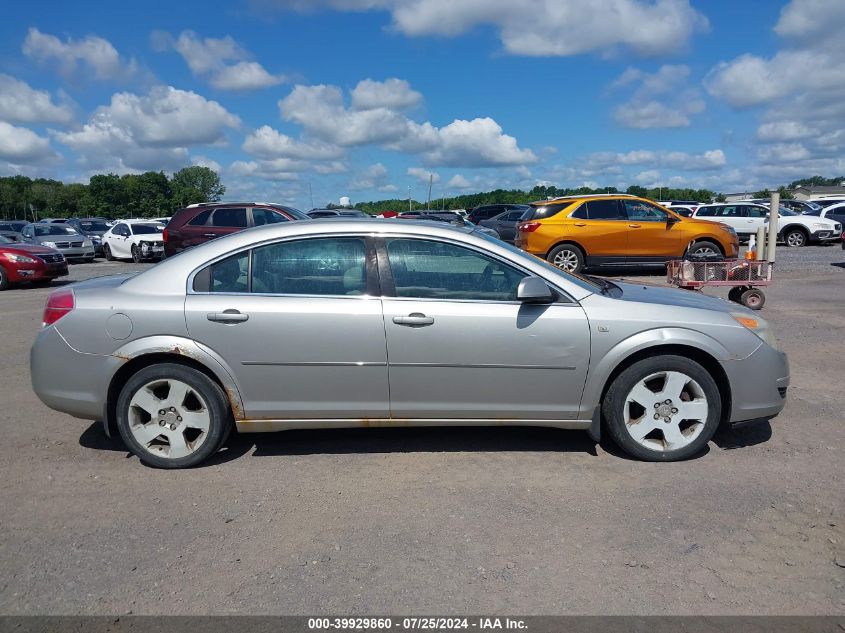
x=151 y=194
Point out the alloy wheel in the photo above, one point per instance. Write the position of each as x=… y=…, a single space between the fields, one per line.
x=169 y=418
x=665 y=411
x=795 y=238
x=567 y=260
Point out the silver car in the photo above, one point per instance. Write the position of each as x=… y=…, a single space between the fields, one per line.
x=354 y=323
x=65 y=239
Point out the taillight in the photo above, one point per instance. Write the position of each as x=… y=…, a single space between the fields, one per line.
x=59 y=303
x=529 y=227
x=164 y=235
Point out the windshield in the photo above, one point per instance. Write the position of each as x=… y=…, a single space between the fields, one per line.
x=578 y=280
x=93 y=225
x=55 y=229
x=146 y=229
x=786 y=211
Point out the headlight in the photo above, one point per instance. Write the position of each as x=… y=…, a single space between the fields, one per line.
x=757 y=325
x=87 y=244
x=19 y=259
x=820 y=225
x=49 y=244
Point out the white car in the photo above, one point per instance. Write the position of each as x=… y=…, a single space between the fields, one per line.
x=794 y=229
x=137 y=240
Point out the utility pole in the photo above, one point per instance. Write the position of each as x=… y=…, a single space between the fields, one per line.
x=409 y=197
x=311 y=193
x=428 y=202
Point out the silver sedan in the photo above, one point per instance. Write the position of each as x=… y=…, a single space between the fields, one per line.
x=352 y=323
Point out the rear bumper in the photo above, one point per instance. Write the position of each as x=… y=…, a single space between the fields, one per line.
x=758 y=384
x=67 y=380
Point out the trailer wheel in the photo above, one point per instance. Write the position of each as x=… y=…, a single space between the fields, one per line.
x=753 y=298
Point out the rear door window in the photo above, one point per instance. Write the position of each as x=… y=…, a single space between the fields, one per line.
x=261 y=216
x=229 y=218
x=604 y=210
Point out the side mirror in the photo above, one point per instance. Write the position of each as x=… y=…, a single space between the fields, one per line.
x=671 y=219
x=534 y=290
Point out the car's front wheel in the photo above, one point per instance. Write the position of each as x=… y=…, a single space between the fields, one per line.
x=567 y=257
x=136 y=254
x=107 y=253
x=173 y=416
x=664 y=408
x=795 y=238
x=4 y=279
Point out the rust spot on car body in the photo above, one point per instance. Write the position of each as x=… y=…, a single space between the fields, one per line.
x=234 y=403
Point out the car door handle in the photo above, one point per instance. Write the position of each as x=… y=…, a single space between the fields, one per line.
x=579 y=224
x=209 y=234
x=634 y=226
x=415 y=318
x=227 y=316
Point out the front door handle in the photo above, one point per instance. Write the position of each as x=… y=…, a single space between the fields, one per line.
x=413 y=319
x=579 y=224
x=634 y=226
x=227 y=316
x=209 y=234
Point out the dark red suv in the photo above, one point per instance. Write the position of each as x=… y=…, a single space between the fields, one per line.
x=199 y=223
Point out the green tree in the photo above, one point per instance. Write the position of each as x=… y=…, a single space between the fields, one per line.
x=196 y=184
x=107 y=194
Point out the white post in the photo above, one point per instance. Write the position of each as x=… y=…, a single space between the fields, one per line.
x=761 y=243
x=774 y=214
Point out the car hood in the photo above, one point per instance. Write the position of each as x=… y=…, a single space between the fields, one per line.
x=35 y=249
x=645 y=293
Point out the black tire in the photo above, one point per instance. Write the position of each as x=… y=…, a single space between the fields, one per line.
x=613 y=406
x=795 y=238
x=220 y=414
x=136 y=254
x=753 y=298
x=107 y=253
x=567 y=257
x=4 y=279
x=703 y=246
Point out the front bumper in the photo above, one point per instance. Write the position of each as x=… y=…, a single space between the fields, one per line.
x=77 y=253
x=758 y=384
x=826 y=235
x=67 y=380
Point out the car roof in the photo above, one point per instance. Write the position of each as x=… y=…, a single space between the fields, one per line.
x=586 y=196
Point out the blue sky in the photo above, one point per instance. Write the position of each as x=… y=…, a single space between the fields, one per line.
x=289 y=98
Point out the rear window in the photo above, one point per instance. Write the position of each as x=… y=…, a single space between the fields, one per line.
x=201 y=218
x=706 y=212
x=229 y=218
x=548 y=210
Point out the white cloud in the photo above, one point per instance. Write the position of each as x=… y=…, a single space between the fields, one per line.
x=321 y=111
x=266 y=142
x=662 y=99
x=372 y=177
x=148 y=132
x=209 y=57
x=423 y=175
x=783 y=153
x=603 y=162
x=541 y=27
x=22 y=104
x=649 y=176
x=22 y=146
x=95 y=52
x=203 y=161
x=279 y=169
x=388 y=188
x=776 y=131
x=458 y=182
x=394 y=94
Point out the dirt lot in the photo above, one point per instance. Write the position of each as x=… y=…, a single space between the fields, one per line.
x=529 y=521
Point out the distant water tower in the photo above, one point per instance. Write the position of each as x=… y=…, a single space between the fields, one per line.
x=344 y=201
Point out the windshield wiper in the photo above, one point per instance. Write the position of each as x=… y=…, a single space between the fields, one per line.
x=604 y=283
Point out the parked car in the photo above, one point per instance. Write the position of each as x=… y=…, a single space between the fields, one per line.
x=165 y=220
x=92 y=228
x=833 y=212
x=65 y=239
x=276 y=328
x=505 y=223
x=794 y=229
x=827 y=201
x=12 y=236
x=137 y=240
x=684 y=208
x=799 y=206
x=14 y=226
x=29 y=263
x=487 y=211
x=336 y=213
x=574 y=232
x=199 y=223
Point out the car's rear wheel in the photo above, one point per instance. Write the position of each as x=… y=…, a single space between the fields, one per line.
x=173 y=416
x=795 y=238
x=567 y=257
x=107 y=253
x=704 y=248
x=664 y=408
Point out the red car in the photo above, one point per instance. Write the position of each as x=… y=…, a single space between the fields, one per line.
x=199 y=223
x=21 y=262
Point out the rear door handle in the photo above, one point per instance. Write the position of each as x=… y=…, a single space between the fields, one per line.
x=634 y=226
x=579 y=224
x=413 y=319
x=227 y=316
x=209 y=234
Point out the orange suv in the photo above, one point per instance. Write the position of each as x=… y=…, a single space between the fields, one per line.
x=615 y=229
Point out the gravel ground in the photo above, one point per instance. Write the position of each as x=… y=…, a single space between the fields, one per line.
x=530 y=521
